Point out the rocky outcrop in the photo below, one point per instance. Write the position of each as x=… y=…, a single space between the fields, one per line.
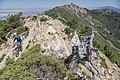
x=92 y=59
x=51 y=36
x=76 y=8
x=49 y=33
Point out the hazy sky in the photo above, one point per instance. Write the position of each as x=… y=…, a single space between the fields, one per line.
x=53 y=3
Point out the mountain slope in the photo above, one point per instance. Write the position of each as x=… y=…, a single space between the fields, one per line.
x=69 y=17
x=110 y=27
x=100 y=20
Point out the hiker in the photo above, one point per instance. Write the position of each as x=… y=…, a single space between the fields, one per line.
x=18 y=42
x=27 y=31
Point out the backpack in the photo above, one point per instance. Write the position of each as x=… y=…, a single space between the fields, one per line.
x=17 y=37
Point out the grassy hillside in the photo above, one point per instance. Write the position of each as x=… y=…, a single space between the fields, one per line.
x=110 y=29
x=108 y=50
x=69 y=17
x=33 y=66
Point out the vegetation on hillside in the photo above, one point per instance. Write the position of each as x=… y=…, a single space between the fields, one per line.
x=69 y=17
x=108 y=50
x=2 y=57
x=7 y=25
x=110 y=28
x=33 y=66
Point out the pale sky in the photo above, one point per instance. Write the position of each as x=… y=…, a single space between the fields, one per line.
x=52 y=3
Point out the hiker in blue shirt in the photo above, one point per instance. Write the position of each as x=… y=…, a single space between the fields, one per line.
x=18 y=42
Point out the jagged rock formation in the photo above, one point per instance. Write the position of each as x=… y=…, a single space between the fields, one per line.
x=91 y=59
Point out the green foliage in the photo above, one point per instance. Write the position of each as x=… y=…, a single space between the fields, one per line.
x=1 y=41
x=6 y=26
x=33 y=65
x=103 y=63
x=69 y=30
x=9 y=61
x=34 y=18
x=85 y=74
x=108 y=50
x=43 y=19
x=2 y=57
x=110 y=21
x=21 y=30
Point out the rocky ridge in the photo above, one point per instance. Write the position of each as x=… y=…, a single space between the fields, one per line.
x=50 y=34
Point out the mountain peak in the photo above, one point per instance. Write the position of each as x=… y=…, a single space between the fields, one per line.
x=72 y=5
x=75 y=8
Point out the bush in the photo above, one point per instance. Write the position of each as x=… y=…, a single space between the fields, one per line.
x=9 y=61
x=6 y=26
x=68 y=31
x=34 y=18
x=21 y=30
x=1 y=41
x=43 y=19
x=103 y=63
x=2 y=57
x=33 y=65
x=85 y=74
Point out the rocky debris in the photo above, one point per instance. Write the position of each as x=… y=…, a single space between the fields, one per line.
x=51 y=36
x=90 y=58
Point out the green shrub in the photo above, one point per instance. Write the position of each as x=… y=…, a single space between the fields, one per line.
x=43 y=19
x=43 y=51
x=85 y=74
x=7 y=25
x=103 y=63
x=69 y=30
x=34 y=18
x=2 y=57
x=33 y=65
x=21 y=30
x=1 y=41
x=9 y=61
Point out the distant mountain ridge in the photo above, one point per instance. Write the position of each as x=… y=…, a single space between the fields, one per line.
x=110 y=7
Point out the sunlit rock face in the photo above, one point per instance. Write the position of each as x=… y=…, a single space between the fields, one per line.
x=50 y=35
